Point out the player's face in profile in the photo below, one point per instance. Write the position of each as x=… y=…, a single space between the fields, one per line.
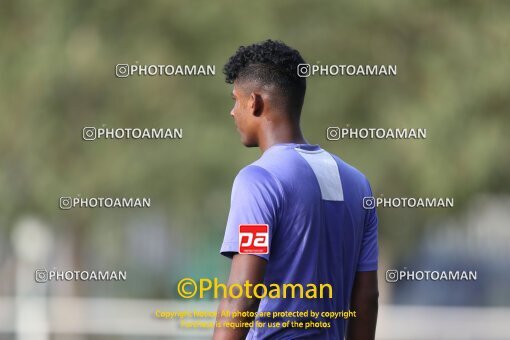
x=243 y=117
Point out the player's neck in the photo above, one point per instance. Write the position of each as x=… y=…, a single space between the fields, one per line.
x=279 y=135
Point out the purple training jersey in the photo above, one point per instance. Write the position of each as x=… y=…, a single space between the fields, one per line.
x=319 y=232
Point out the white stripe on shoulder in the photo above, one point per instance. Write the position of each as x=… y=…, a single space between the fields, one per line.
x=326 y=171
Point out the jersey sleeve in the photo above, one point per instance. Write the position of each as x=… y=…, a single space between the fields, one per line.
x=256 y=199
x=369 y=247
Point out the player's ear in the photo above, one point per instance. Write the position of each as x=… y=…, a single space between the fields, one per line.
x=256 y=104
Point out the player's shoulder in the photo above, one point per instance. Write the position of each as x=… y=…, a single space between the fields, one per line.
x=258 y=181
x=254 y=173
x=350 y=171
x=278 y=158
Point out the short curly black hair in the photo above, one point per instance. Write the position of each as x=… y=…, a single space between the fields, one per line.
x=270 y=63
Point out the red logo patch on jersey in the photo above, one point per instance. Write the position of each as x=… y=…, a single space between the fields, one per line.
x=253 y=239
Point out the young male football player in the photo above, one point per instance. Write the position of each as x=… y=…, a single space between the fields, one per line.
x=312 y=202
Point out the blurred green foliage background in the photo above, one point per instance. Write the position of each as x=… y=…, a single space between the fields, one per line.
x=57 y=76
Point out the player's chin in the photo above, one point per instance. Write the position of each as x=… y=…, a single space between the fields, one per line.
x=249 y=143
